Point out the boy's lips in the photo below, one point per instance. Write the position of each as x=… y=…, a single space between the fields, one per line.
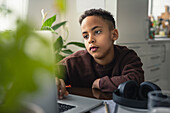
x=94 y=48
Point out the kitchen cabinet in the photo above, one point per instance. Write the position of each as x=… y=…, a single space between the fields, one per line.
x=153 y=68
x=168 y=63
x=165 y=53
x=160 y=53
x=155 y=58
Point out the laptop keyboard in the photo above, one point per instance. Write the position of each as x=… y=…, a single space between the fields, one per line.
x=64 y=107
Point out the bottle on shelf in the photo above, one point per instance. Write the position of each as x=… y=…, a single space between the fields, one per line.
x=151 y=28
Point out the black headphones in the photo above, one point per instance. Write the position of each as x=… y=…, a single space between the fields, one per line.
x=131 y=94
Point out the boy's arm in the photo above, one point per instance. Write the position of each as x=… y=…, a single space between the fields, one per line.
x=61 y=88
x=96 y=84
x=60 y=79
x=131 y=69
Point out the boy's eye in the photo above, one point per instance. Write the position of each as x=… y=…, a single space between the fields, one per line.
x=98 y=32
x=85 y=36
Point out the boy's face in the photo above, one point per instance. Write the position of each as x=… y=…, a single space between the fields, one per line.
x=98 y=38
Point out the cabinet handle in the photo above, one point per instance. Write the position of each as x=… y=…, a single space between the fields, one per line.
x=156 y=80
x=155 y=57
x=155 y=45
x=134 y=47
x=164 y=54
x=155 y=69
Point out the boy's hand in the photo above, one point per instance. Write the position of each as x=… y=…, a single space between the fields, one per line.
x=61 y=88
x=96 y=84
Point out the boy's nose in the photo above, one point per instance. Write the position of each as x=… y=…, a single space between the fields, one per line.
x=91 y=39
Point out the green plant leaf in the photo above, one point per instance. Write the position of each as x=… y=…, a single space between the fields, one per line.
x=79 y=44
x=46 y=28
x=55 y=27
x=50 y=29
x=58 y=44
x=64 y=46
x=67 y=51
x=49 y=22
x=59 y=57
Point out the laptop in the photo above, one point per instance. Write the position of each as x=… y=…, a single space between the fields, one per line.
x=79 y=104
x=45 y=100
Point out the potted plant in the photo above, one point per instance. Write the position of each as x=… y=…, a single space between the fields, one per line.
x=21 y=61
x=61 y=47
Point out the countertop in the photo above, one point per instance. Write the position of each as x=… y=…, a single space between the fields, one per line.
x=159 y=39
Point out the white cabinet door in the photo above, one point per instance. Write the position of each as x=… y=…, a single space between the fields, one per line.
x=165 y=70
x=140 y=48
x=132 y=21
x=168 y=60
x=168 y=63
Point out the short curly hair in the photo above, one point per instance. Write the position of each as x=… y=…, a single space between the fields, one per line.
x=98 y=12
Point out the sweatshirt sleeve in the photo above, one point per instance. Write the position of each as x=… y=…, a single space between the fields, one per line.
x=130 y=67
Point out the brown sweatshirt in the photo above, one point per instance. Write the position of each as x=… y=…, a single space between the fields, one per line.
x=82 y=70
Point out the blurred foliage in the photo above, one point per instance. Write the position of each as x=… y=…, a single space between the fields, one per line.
x=20 y=61
x=61 y=47
x=61 y=5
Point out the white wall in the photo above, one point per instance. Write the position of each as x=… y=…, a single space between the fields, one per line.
x=72 y=18
x=34 y=11
x=74 y=10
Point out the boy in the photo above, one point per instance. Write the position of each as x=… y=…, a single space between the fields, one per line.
x=102 y=65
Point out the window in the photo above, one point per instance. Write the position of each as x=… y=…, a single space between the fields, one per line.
x=19 y=10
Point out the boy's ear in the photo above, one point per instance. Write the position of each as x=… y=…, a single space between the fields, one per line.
x=115 y=34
